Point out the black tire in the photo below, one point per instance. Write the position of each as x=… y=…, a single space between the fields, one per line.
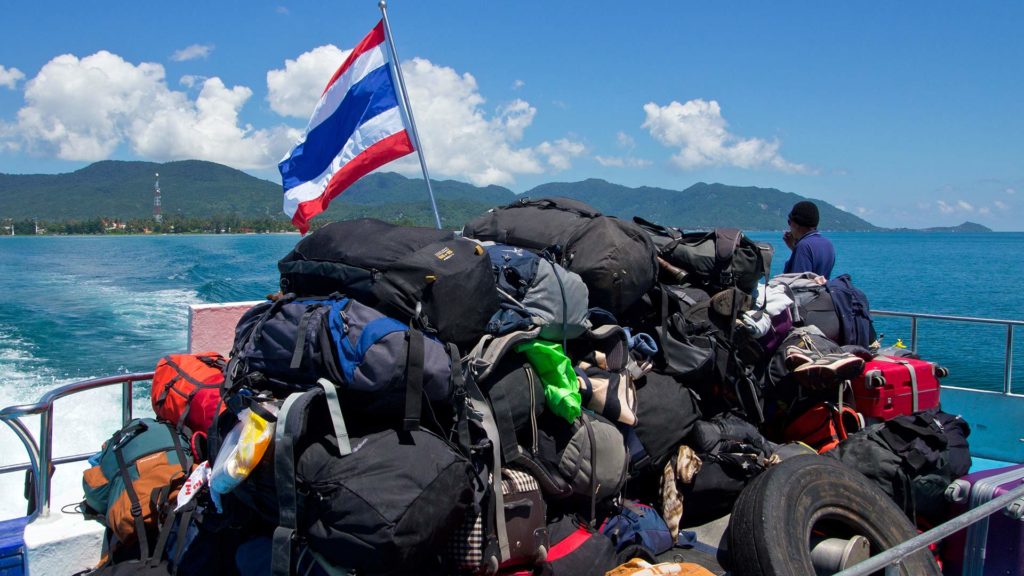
x=776 y=514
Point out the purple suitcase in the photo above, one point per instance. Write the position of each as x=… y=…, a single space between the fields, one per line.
x=994 y=545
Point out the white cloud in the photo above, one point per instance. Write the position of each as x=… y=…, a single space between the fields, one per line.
x=698 y=130
x=863 y=211
x=517 y=84
x=190 y=80
x=1001 y=205
x=945 y=208
x=962 y=205
x=984 y=210
x=622 y=162
x=283 y=10
x=295 y=90
x=1010 y=191
x=192 y=52
x=83 y=109
x=9 y=77
x=625 y=140
x=460 y=139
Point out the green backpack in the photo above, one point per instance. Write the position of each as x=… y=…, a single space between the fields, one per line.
x=133 y=478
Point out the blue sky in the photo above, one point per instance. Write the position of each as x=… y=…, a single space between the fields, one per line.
x=908 y=114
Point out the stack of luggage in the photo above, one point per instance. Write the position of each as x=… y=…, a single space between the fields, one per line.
x=552 y=391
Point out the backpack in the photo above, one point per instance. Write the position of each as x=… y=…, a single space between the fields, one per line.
x=911 y=458
x=714 y=260
x=614 y=258
x=140 y=469
x=638 y=525
x=383 y=502
x=186 y=389
x=586 y=457
x=854 y=312
x=382 y=364
x=823 y=426
x=537 y=292
x=443 y=282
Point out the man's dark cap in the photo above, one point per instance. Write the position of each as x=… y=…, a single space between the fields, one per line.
x=805 y=213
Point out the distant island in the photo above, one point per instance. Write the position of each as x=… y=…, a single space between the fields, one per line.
x=117 y=197
x=965 y=227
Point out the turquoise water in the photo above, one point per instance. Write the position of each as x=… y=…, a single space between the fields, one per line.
x=82 y=307
x=78 y=307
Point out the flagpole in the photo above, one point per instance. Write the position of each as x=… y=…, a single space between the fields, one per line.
x=408 y=108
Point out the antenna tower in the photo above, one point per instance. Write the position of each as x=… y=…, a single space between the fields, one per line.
x=156 y=200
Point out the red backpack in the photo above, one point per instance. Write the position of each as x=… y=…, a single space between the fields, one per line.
x=823 y=426
x=186 y=389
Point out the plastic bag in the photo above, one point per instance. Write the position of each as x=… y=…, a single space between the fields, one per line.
x=241 y=451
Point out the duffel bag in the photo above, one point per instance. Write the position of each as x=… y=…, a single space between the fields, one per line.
x=186 y=389
x=615 y=258
x=715 y=260
x=140 y=467
x=386 y=502
x=443 y=282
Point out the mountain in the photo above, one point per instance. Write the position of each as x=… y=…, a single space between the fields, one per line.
x=198 y=189
x=701 y=206
x=965 y=227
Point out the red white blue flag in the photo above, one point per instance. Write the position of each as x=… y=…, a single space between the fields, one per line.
x=356 y=127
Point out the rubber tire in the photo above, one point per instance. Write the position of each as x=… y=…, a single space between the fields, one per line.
x=770 y=528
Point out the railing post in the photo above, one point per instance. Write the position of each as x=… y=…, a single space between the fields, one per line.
x=45 y=459
x=913 y=334
x=126 y=402
x=1008 y=370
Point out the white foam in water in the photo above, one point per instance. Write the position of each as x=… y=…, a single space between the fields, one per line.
x=83 y=421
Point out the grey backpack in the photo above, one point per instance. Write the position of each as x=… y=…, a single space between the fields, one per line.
x=535 y=291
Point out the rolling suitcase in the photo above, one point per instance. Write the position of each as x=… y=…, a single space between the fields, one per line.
x=890 y=387
x=994 y=545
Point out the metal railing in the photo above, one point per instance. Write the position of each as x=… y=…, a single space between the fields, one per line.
x=41 y=461
x=1010 y=324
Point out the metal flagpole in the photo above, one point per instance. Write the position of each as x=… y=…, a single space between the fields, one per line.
x=408 y=108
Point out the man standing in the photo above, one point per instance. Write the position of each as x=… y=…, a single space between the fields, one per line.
x=812 y=252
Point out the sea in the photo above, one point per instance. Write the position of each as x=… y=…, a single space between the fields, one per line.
x=82 y=307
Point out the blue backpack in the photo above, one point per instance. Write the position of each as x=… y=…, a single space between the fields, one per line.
x=853 y=310
x=285 y=346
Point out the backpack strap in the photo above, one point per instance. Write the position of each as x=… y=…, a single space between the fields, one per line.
x=284 y=465
x=726 y=241
x=413 y=379
x=136 y=505
x=479 y=403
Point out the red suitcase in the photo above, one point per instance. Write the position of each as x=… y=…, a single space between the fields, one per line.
x=890 y=387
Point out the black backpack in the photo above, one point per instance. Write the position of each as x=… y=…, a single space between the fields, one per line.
x=385 y=502
x=443 y=282
x=666 y=413
x=615 y=258
x=854 y=312
x=715 y=260
x=912 y=458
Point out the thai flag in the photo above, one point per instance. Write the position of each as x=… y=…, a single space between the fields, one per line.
x=356 y=127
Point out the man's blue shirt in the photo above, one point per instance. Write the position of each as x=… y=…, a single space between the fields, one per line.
x=812 y=253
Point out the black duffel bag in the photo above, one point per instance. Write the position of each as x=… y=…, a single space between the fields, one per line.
x=615 y=258
x=406 y=272
x=714 y=260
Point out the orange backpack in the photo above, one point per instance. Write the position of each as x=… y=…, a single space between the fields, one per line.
x=186 y=389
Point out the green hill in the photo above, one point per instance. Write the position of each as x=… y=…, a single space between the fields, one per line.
x=197 y=189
